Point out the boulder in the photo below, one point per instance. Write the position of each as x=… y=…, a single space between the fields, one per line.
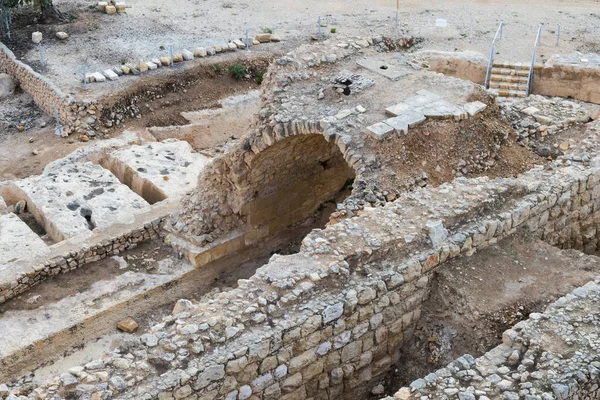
x=166 y=61
x=102 y=6
x=263 y=37
x=7 y=85
x=120 y=6
x=178 y=57
x=62 y=35
x=36 y=37
x=111 y=10
x=200 y=52
x=187 y=55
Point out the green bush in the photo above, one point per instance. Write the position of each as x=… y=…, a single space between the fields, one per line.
x=238 y=71
x=260 y=77
x=333 y=30
x=267 y=30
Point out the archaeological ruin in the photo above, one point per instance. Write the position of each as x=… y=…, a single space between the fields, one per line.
x=382 y=208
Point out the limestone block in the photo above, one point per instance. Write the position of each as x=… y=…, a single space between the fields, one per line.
x=474 y=108
x=157 y=62
x=62 y=35
x=120 y=6
x=110 y=74
x=102 y=6
x=36 y=37
x=98 y=77
x=111 y=10
x=166 y=61
x=142 y=66
x=151 y=65
x=232 y=46
x=380 y=130
x=263 y=38
x=187 y=55
x=200 y=52
x=218 y=49
x=255 y=42
x=211 y=51
x=178 y=57
x=117 y=70
x=127 y=325
x=7 y=85
x=126 y=70
x=275 y=38
x=239 y=44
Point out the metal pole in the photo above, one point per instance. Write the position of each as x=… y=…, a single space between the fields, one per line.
x=247 y=45
x=539 y=34
x=558 y=35
x=397 y=12
x=7 y=27
x=501 y=28
x=319 y=28
x=58 y=126
x=42 y=57
x=84 y=77
x=171 y=47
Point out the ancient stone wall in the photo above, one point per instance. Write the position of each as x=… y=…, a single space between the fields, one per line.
x=73 y=257
x=45 y=94
x=328 y=321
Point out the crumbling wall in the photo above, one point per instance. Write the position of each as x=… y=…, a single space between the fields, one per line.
x=45 y=94
x=327 y=322
x=543 y=357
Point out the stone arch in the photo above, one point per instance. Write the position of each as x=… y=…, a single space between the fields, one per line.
x=272 y=178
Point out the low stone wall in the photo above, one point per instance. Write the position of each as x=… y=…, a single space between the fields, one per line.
x=45 y=94
x=70 y=256
x=329 y=321
x=543 y=357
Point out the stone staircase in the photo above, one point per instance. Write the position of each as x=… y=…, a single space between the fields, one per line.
x=509 y=79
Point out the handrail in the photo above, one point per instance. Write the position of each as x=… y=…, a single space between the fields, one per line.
x=491 y=59
x=530 y=77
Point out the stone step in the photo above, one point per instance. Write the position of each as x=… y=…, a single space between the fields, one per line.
x=507 y=85
x=508 y=78
x=509 y=65
x=510 y=93
x=510 y=72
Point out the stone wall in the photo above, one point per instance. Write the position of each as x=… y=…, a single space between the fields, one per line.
x=69 y=257
x=543 y=357
x=329 y=321
x=45 y=94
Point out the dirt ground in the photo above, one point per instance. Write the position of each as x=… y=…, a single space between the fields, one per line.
x=475 y=299
x=150 y=26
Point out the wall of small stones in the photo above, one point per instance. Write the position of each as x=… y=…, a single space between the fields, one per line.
x=328 y=322
x=45 y=94
x=83 y=255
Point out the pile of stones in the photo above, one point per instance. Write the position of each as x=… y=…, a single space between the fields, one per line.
x=111 y=7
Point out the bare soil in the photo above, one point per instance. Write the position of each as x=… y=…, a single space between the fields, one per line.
x=474 y=299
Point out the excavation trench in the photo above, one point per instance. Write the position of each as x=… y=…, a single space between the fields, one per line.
x=66 y=313
x=473 y=300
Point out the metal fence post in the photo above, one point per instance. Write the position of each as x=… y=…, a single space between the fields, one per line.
x=171 y=48
x=319 y=28
x=58 y=125
x=558 y=35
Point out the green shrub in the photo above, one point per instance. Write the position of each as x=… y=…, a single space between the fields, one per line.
x=267 y=30
x=238 y=71
x=333 y=30
x=260 y=77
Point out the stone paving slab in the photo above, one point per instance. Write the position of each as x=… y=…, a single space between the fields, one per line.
x=383 y=68
x=18 y=242
x=73 y=199
x=171 y=166
x=380 y=130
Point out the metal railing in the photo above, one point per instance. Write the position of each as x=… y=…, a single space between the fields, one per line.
x=492 y=50
x=537 y=42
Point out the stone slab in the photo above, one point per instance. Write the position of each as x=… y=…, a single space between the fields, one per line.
x=70 y=200
x=380 y=130
x=440 y=109
x=474 y=108
x=172 y=166
x=18 y=242
x=410 y=119
x=110 y=74
x=384 y=68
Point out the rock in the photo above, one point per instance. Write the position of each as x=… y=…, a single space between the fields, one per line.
x=151 y=66
x=275 y=38
x=361 y=109
x=35 y=152
x=181 y=306
x=117 y=70
x=20 y=206
x=127 y=325
x=120 y=6
x=36 y=37
x=402 y=394
x=255 y=42
x=110 y=74
x=84 y=138
x=379 y=389
x=239 y=44
x=474 y=108
x=7 y=85
x=211 y=51
x=62 y=35
x=187 y=55
x=68 y=380
x=263 y=38
x=437 y=232
x=231 y=46
x=149 y=340
x=102 y=6
x=126 y=70
x=118 y=383
x=3 y=390
x=166 y=61
x=200 y=52
x=564 y=146
x=111 y=10
x=157 y=62
x=98 y=77
x=178 y=57
x=142 y=66
x=20 y=128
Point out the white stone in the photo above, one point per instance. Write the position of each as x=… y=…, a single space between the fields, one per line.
x=474 y=108
x=343 y=114
x=151 y=66
x=187 y=55
x=36 y=37
x=18 y=241
x=437 y=232
x=110 y=74
x=62 y=35
x=98 y=77
x=7 y=85
x=361 y=109
x=239 y=44
x=231 y=46
x=380 y=130
x=200 y=52
x=333 y=312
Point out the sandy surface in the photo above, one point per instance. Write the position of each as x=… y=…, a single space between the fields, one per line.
x=103 y=41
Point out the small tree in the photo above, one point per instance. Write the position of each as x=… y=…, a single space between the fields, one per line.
x=47 y=8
